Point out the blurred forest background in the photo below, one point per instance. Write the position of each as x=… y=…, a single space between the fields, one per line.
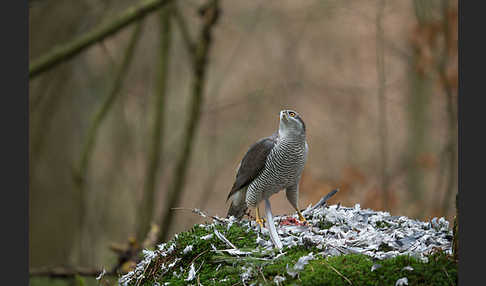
x=157 y=112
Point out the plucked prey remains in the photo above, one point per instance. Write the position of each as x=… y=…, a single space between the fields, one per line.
x=270 y=165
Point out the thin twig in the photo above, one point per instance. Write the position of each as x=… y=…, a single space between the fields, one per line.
x=145 y=270
x=264 y=279
x=181 y=24
x=53 y=97
x=79 y=175
x=102 y=111
x=447 y=274
x=65 y=52
x=199 y=212
x=154 y=156
x=210 y=16
x=194 y=259
x=43 y=91
x=339 y=273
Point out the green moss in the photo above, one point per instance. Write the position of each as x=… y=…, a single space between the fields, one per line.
x=219 y=268
x=384 y=247
x=357 y=269
x=324 y=224
x=382 y=224
x=205 y=260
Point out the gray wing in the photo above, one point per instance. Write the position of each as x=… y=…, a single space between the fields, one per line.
x=253 y=162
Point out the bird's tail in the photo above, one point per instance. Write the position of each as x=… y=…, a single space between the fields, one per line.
x=238 y=205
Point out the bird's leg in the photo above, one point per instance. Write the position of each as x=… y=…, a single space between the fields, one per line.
x=292 y=194
x=258 y=219
x=301 y=217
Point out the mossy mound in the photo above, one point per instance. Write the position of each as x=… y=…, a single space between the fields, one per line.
x=228 y=252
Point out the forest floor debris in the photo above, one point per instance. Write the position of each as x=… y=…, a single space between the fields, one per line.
x=347 y=243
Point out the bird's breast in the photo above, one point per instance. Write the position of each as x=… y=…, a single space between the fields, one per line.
x=287 y=162
x=283 y=168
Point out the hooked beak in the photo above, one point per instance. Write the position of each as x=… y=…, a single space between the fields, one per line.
x=283 y=116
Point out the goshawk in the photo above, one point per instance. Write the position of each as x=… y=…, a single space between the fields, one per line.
x=270 y=165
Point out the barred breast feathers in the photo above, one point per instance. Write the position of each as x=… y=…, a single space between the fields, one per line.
x=283 y=168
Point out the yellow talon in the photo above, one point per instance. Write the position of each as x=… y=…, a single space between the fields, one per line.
x=258 y=219
x=260 y=222
x=302 y=218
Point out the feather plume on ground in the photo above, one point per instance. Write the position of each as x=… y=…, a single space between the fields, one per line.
x=347 y=230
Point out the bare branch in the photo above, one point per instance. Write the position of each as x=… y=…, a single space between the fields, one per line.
x=108 y=102
x=147 y=205
x=210 y=15
x=79 y=174
x=181 y=23
x=67 y=51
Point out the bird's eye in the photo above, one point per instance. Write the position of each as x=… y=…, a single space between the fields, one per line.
x=292 y=114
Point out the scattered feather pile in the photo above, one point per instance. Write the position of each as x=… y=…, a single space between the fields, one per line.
x=341 y=230
x=333 y=230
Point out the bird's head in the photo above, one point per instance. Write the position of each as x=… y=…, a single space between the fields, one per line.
x=291 y=123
